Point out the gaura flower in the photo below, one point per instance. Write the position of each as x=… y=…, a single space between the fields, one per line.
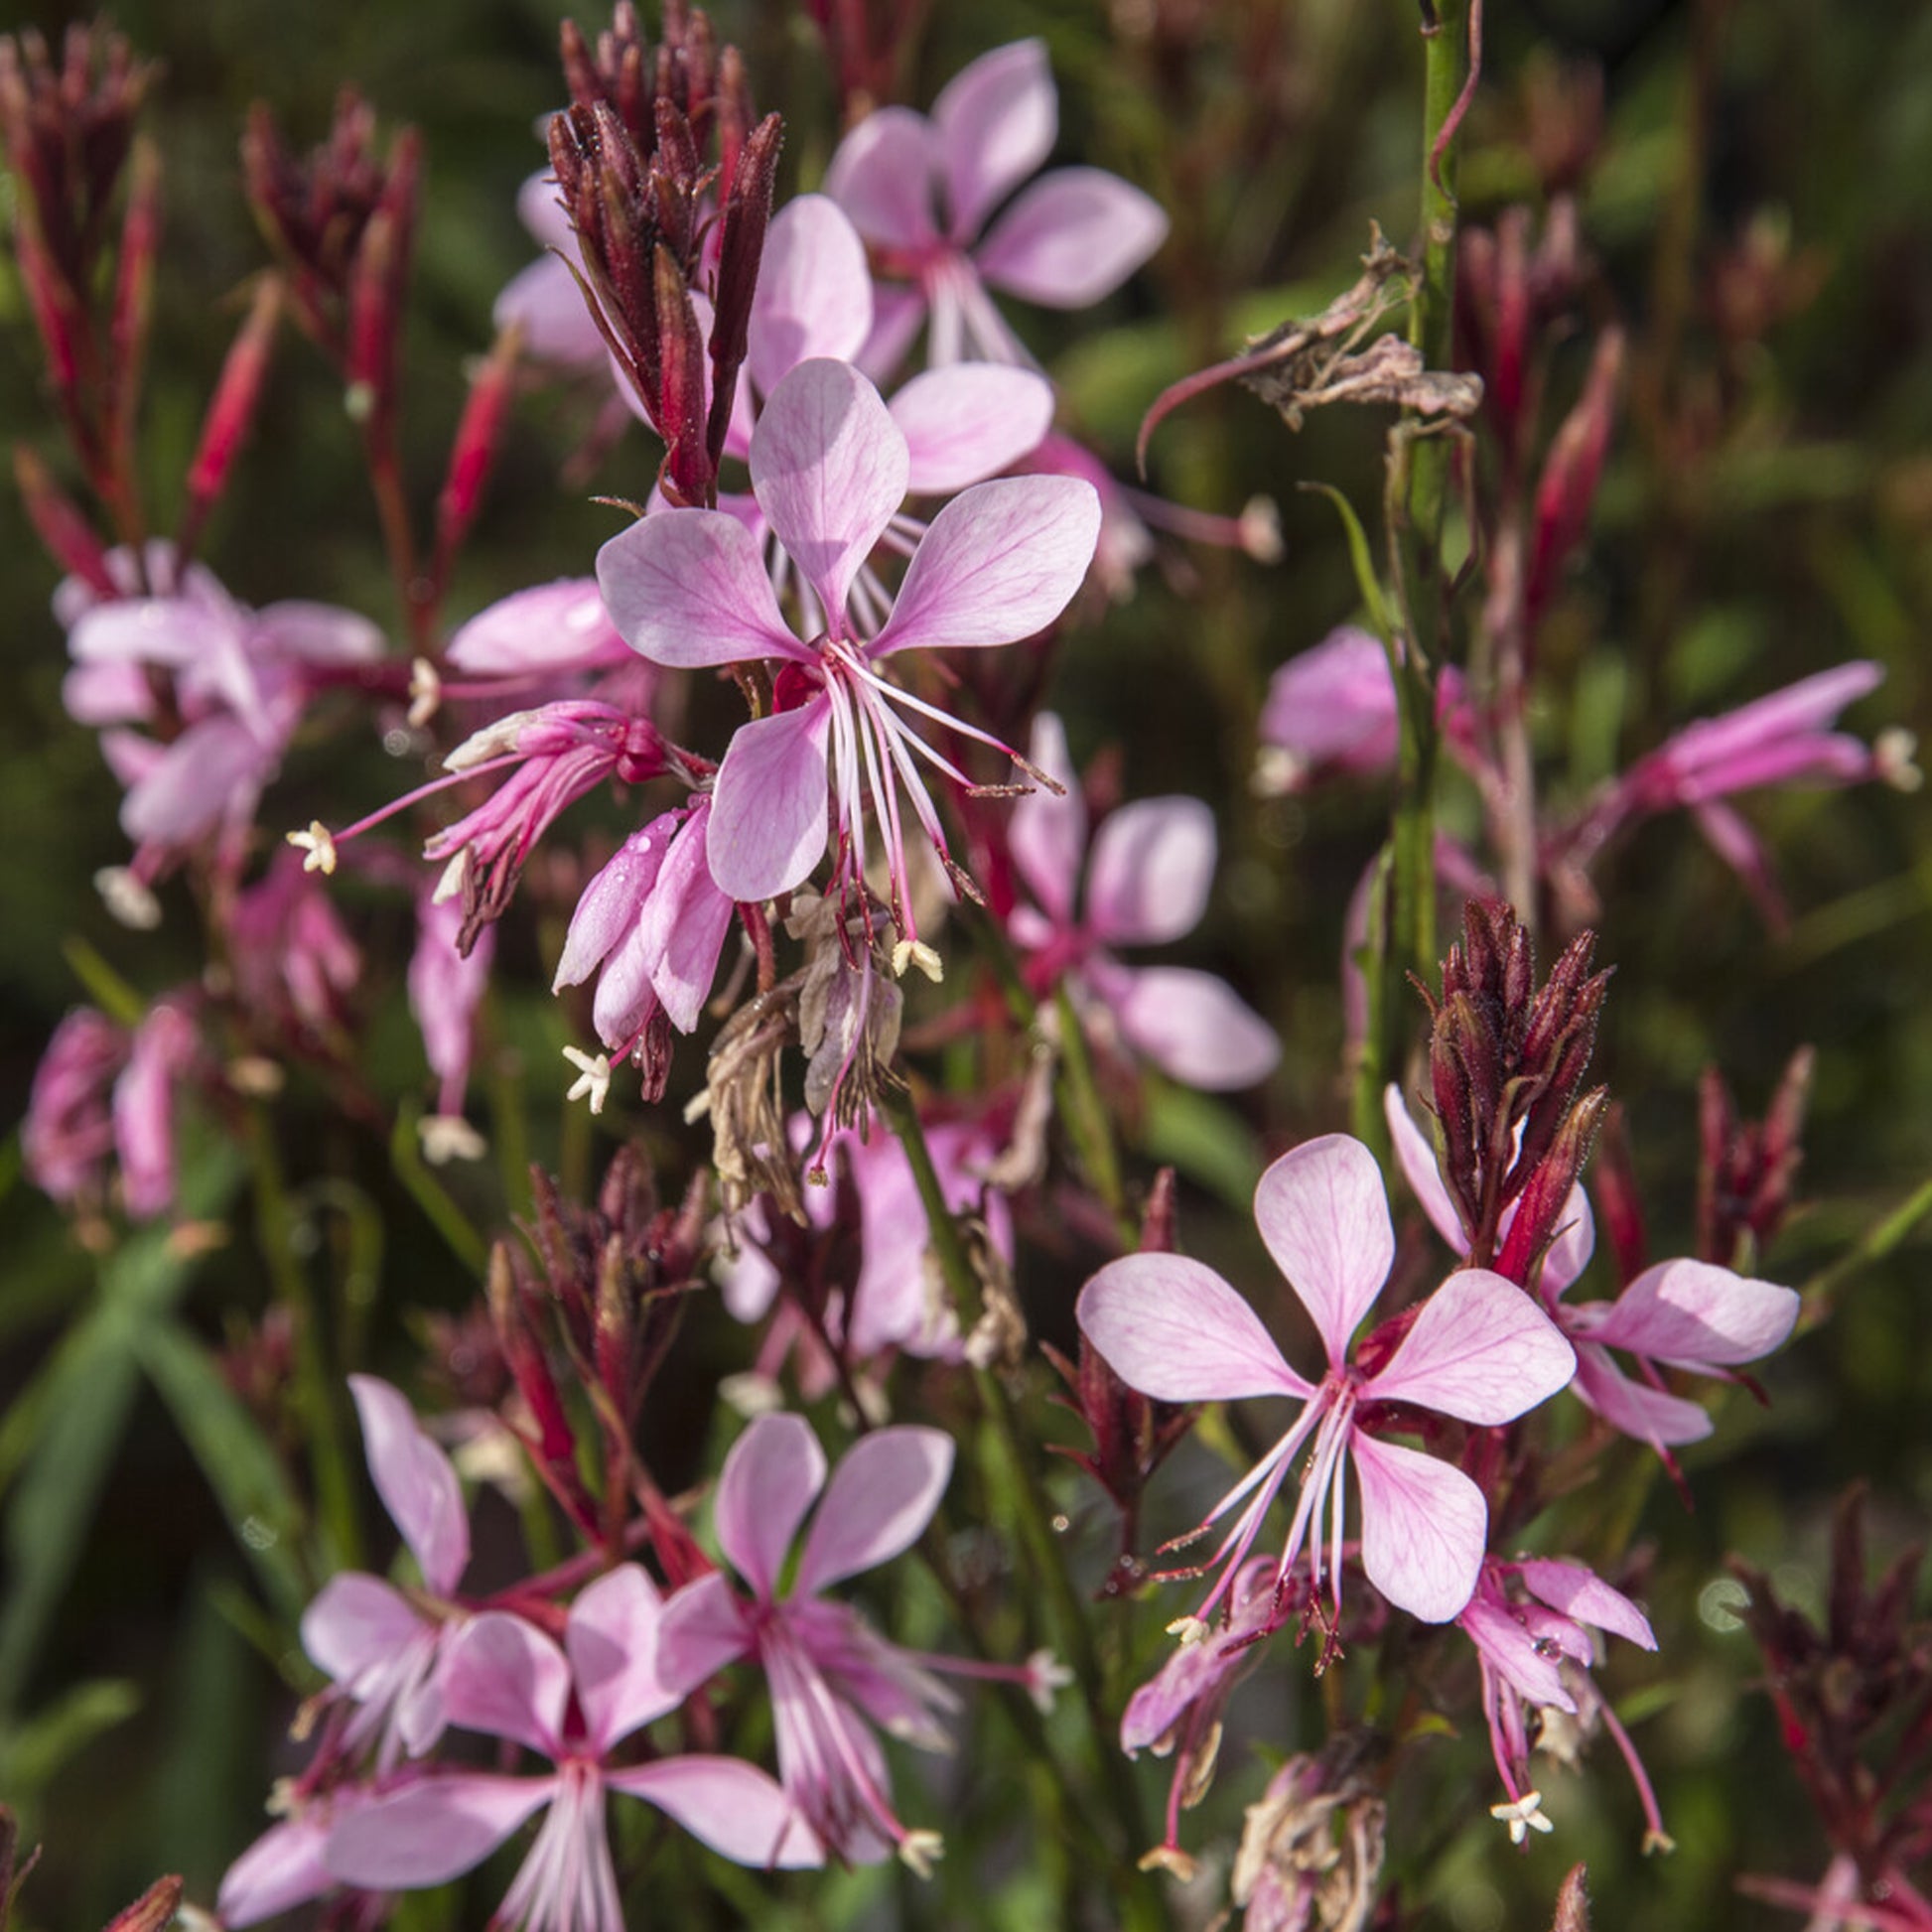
x=573 y=1705
x=446 y=990
x=1148 y=877
x=1479 y=1349
x=1682 y=1314
x=832 y=1676
x=1070 y=238
x=688 y=588
x=381 y=1647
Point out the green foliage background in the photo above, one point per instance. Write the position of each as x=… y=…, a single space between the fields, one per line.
x=140 y=1707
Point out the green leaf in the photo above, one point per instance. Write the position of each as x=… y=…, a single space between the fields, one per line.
x=34 y=1753
x=1206 y=1139
x=240 y=1464
x=448 y=1221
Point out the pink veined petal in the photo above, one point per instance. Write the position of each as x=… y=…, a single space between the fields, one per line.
x=416 y=1481
x=684 y=924
x=880 y=1497
x=211 y=769
x=688 y=588
x=1194 y=1026
x=829 y=468
x=357 y=1621
x=432 y=1831
x=611 y=1642
x=1481 y=1350
x=704 y=1627
x=998 y=563
x=1424 y=1527
x=283 y=1868
x=609 y=909
x=545 y=302
x=1048 y=834
x=1645 y=1413
x=1152 y=868
x=969 y=421
x=1074 y=236
x=769 y=1479
x=769 y=805
x=1691 y=1313
x=504 y=1676
x=1322 y=1210
x=882 y=177
x=1499 y=1634
x=814 y=293
x=995 y=123
x=1417 y=1159
x=548 y=628
x=733 y=1807
x=1176 y=1330
x=1570 y=1251
x=1580 y=1592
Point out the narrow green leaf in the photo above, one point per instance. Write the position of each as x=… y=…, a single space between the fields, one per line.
x=1205 y=1140
x=35 y=1751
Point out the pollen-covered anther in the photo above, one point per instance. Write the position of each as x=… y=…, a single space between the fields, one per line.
x=318 y=848
x=425 y=692
x=1523 y=1816
x=1190 y=1630
x=594 y=1076
x=919 y=1852
x=915 y=952
x=449 y=1136
x=126 y=896
x=1045 y=1675
x=1894 y=758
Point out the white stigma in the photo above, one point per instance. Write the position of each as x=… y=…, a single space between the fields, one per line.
x=318 y=848
x=594 y=1071
x=1523 y=1816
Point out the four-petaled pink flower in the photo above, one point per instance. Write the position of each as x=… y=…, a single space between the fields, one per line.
x=574 y=1705
x=688 y=588
x=1479 y=1349
x=1065 y=242
x=1688 y=1315
x=1148 y=879
x=832 y=1677
x=381 y=1647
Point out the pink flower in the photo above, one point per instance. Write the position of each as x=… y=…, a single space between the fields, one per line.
x=1479 y=1349
x=544 y=300
x=832 y=1677
x=574 y=1705
x=687 y=587
x=165 y=1048
x=284 y=1867
x=289 y=951
x=650 y=926
x=69 y=1131
x=547 y=630
x=1530 y=1622
x=381 y=1647
x=1070 y=238
x=1148 y=877
x=446 y=990
x=1688 y=1315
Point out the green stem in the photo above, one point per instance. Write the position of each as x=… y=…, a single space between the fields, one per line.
x=314 y=1386
x=1086 y=1114
x=1877 y=1242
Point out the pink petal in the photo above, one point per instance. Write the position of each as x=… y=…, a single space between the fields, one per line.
x=1570 y=1251
x=969 y=421
x=213 y=769
x=688 y=588
x=1798 y=711
x=882 y=177
x=829 y=468
x=1646 y=1414
x=996 y=121
x=545 y=302
x=1481 y=1350
x=998 y=563
x=880 y=1498
x=548 y=628
x=769 y=806
x=1074 y=236
x=814 y=293
x=1424 y=1526
x=1194 y=1026
x=1152 y=868
x=283 y=1868
x=1047 y=832
x=1332 y=708
x=1499 y=1634
x=432 y=1831
x=1176 y=1330
x=897 y=314
x=144 y=631
x=416 y=1481
x=1691 y=1313
x=769 y=1479
x=322 y=634
x=1416 y=1158
x=1325 y=1219
x=1581 y=1593
x=735 y=1808
x=504 y=1676
x=113 y=693
x=356 y=1624
x=611 y=1642
x=685 y=922
x=704 y=1627
x=608 y=913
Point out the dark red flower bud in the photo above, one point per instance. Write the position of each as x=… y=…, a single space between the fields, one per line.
x=153 y=1911
x=1571 y=474
x=231 y=410
x=59 y=525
